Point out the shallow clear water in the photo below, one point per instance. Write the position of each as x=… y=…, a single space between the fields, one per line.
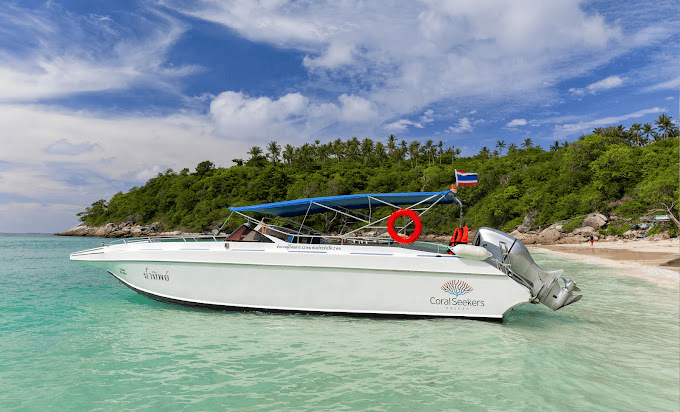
x=73 y=338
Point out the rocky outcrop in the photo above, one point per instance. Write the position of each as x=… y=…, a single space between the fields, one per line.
x=595 y=220
x=125 y=230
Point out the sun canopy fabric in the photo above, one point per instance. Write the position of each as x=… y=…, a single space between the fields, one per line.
x=361 y=201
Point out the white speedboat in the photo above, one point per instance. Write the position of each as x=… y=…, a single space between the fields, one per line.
x=278 y=264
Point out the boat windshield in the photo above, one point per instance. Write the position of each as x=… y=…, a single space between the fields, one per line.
x=245 y=234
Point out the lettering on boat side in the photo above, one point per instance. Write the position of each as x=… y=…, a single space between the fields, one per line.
x=456 y=288
x=456 y=302
x=153 y=275
x=309 y=247
x=122 y=271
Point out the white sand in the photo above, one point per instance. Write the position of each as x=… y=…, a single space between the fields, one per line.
x=638 y=258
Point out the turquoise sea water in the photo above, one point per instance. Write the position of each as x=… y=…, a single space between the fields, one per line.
x=73 y=338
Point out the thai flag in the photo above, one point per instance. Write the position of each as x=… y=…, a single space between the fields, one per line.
x=465 y=179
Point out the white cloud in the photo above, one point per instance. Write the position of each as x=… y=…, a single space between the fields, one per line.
x=69 y=56
x=291 y=117
x=402 y=125
x=672 y=84
x=463 y=125
x=52 y=156
x=516 y=122
x=575 y=128
x=427 y=117
x=240 y=116
x=356 y=108
x=336 y=55
x=417 y=53
x=604 y=84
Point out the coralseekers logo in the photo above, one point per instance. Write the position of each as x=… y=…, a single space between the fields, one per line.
x=456 y=287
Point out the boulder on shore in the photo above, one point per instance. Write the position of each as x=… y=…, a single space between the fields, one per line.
x=595 y=220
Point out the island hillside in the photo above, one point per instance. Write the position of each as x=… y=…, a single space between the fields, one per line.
x=618 y=177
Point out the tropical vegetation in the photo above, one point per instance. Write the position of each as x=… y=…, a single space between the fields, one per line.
x=630 y=172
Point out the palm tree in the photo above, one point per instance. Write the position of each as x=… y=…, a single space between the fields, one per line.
x=403 y=150
x=484 y=153
x=414 y=150
x=440 y=145
x=322 y=152
x=255 y=152
x=500 y=145
x=289 y=154
x=274 y=151
x=380 y=152
x=317 y=142
x=635 y=130
x=451 y=150
x=366 y=149
x=338 y=148
x=555 y=147
x=428 y=150
x=647 y=131
x=353 y=148
x=664 y=124
x=527 y=143
x=391 y=145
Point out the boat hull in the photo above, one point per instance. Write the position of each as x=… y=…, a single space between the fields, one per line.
x=344 y=280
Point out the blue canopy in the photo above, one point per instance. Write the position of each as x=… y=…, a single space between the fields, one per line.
x=361 y=201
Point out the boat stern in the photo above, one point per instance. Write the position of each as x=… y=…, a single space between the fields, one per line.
x=514 y=258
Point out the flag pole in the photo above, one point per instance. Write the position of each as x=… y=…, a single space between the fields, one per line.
x=454 y=189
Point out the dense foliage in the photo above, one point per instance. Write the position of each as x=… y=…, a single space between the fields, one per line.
x=611 y=170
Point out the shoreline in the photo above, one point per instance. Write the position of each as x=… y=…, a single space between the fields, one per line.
x=642 y=259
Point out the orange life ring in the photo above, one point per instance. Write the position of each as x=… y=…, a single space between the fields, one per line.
x=416 y=221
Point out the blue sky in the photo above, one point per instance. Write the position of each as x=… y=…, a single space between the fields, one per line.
x=99 y=96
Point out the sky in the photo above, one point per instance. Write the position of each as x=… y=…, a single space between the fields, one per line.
x=99 y=96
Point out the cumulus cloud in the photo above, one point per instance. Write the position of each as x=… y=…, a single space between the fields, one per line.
x=604 y=84
x=336 y=55
x=239 y=116
x=516 y=122
x=463 y=125
x=417 y=53
x=403 y=124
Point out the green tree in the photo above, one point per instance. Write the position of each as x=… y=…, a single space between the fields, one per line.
x=665 y=125
x=274 y=151
x=255 y=152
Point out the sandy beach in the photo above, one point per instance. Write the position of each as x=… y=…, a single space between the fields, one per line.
x=643 y=259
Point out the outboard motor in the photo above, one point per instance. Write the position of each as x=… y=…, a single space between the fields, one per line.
x=513 y=257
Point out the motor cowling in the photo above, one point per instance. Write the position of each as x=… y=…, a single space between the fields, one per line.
x=510 y=253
